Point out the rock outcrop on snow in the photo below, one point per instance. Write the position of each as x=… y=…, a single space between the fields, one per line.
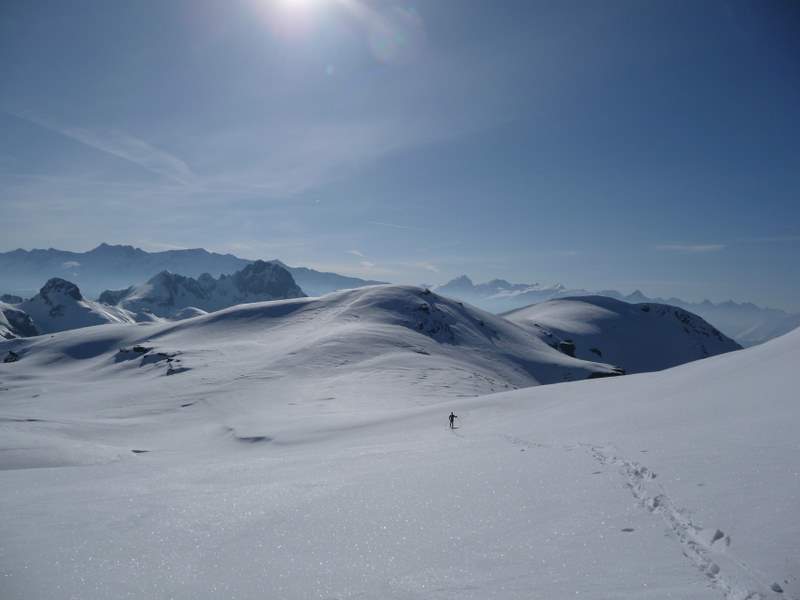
x=15 y=323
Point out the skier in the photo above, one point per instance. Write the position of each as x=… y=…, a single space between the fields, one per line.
x=452 y=418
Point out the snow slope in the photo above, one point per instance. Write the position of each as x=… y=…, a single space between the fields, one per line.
x=637 y=337
x=365 y=347
x=745 y=322
x=59 y=306
x=233 y=479
x=168 y=294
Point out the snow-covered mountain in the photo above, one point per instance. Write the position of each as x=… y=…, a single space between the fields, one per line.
x=355 y=344
x=59 y=306
x=637 y=337
x=747 y=323
x=300 y=449
x=174 y=296
x=499 y=295
x=15 y=322
x=115 y=266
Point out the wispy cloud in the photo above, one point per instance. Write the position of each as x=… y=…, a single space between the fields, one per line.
x=124 y=146
x=356 y=253
x=691 y=248
x=427 y=266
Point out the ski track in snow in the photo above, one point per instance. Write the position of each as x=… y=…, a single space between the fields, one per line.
x=698 y=544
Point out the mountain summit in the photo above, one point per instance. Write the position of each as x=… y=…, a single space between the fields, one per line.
x=637 y=337
x=167 y=294
x=59 y=306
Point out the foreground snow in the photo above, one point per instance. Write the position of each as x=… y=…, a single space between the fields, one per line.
x=678 y=484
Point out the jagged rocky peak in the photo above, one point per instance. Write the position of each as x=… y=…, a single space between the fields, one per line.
x=56 y=288
x=115 y=249
x=167 y=294
x=114 y=296
x=262 y=277
x=461 y=282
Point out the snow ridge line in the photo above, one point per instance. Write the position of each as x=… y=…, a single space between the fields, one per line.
x=696 y=542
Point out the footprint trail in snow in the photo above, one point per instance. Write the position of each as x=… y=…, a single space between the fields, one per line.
x=706 y=548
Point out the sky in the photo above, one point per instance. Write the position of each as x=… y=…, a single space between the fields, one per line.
x=627 y=145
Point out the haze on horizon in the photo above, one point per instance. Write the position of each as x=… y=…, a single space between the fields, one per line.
x=618 y=145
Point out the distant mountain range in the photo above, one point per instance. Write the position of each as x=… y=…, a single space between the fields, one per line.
x=109 y=267
x=745 y=322
x=115 y=267
x=167 y=294
x=60 y=305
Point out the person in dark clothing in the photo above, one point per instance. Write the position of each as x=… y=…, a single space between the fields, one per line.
x=452 y=418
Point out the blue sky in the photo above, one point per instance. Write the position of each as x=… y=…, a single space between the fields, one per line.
x=650 y=145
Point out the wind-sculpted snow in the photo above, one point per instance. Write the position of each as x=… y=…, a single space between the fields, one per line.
x=304 y=452
x=637 y=337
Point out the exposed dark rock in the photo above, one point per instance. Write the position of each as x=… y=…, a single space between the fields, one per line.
x=567 y=347
x=57 y=286
x=114 y=296
x=21 y=323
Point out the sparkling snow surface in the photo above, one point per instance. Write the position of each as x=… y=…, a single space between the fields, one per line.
x=300 y=449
